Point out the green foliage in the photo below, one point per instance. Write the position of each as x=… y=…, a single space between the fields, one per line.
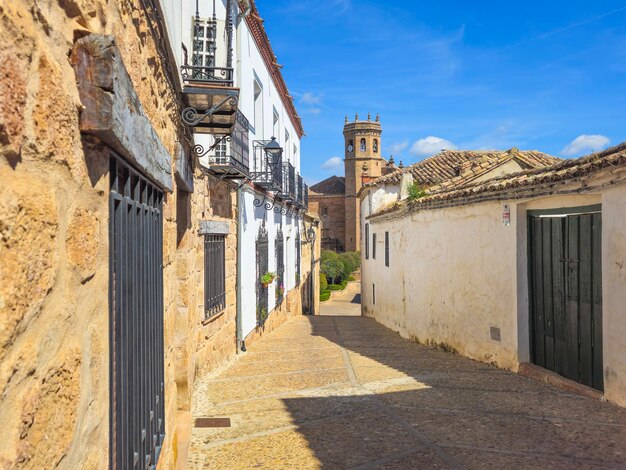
x=341 y=286
x=351 y=262
x=323 y=283
x=324 y=296
x=332 y=266
x=415 y=192
x=351 y=278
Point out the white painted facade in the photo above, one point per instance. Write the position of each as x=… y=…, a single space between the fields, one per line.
x=261 y=103
x=456 y=272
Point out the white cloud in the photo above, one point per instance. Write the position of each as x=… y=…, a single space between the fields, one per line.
x=315 y=111
x=586 y=144
x=431 y=145
x=333 y=163
x=310 y=98
x=398 y=147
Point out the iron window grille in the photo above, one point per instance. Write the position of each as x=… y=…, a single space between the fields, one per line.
x=387 y=249
x=214 y=275
x=373 y=246
x=298 y=257
x=299 y=189
x=367 y=241
x=262 y=267
x=280 y=266
x=137 y=408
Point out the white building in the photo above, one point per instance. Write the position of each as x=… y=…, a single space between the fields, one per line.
x=237 y=103
x=522 y=270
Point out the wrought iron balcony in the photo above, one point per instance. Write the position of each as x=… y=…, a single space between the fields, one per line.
x=267 y=171
x=305 y=196
x=289 y=183
x=209 y=95
x=228 y=158
x=299 y=190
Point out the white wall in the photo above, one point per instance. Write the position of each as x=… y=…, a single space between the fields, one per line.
x=458 y=271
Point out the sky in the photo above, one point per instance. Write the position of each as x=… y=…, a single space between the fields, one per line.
x=543 y=75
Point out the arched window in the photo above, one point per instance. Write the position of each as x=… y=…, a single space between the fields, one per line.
x=375 y=145
x=363 y=147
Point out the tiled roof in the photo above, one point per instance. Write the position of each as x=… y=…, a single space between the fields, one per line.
x=463 y=165
x=332 y=185
x=523 y=183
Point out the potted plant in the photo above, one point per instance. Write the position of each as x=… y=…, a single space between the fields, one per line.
x=267 y=279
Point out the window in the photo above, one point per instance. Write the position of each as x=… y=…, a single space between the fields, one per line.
x=258 y=109
x=135 y=317
x=295 y=155
x=325 y=233
x=287 y=144
x=367 y=241
x=262 y=268
x=220 y=148
x=214 y=275
x=324 y=210
x=363 y=146
x=373 y=246
x=276 y=127
x=279 y=249
x=374 y=294
x=298 y=257
x=375 y=145
x=204 y=46
x=387 y=249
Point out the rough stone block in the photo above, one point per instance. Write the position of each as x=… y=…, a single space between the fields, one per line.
x=112 y=110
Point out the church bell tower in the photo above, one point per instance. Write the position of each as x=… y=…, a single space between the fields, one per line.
x=362 y=157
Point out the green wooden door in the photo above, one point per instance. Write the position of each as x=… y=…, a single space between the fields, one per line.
x=566 y=294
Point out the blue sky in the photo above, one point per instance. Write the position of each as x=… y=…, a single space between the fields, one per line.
x=547 y=75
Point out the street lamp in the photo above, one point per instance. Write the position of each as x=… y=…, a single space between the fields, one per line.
x=274 y=151
x=311 y=234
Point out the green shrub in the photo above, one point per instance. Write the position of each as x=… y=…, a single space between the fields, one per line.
x=323 y=283
x=335 y=287
x=324 y=296
x=351 y=278
x=414 y=192
x=351 y=261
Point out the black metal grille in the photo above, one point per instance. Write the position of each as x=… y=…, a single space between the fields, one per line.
x=214 y=274
x=367 y=241
x=280 y=266
x=137 y=411
x=386 y=248
x=373 y=246
x=262 y=267
x=305 y=193
x=267 y=171
x=289 y=181
x=299 y=190
x=298 y=257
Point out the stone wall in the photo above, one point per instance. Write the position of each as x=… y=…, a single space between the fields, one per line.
x=331 y=211
x=54 y=222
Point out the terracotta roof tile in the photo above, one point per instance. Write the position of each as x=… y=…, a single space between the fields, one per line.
x=457 y=166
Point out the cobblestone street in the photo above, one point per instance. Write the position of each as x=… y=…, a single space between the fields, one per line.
x=345 y=392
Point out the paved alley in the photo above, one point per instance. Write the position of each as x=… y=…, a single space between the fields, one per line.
x=338 y=392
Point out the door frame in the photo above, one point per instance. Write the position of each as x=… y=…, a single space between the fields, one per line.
x=548 y=213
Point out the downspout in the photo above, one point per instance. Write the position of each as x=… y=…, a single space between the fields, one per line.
x=241 y=345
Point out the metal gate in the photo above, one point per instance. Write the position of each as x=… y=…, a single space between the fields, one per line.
x=136 y=319
x=566 y=293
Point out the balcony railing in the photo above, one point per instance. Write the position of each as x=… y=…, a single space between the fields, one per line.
x=299 y=190
x=229 y=157
x=289 y=182
x=267 y=171
x=305 y=198
x=211 y=101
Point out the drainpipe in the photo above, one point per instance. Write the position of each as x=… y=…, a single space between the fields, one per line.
x=241 y=345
